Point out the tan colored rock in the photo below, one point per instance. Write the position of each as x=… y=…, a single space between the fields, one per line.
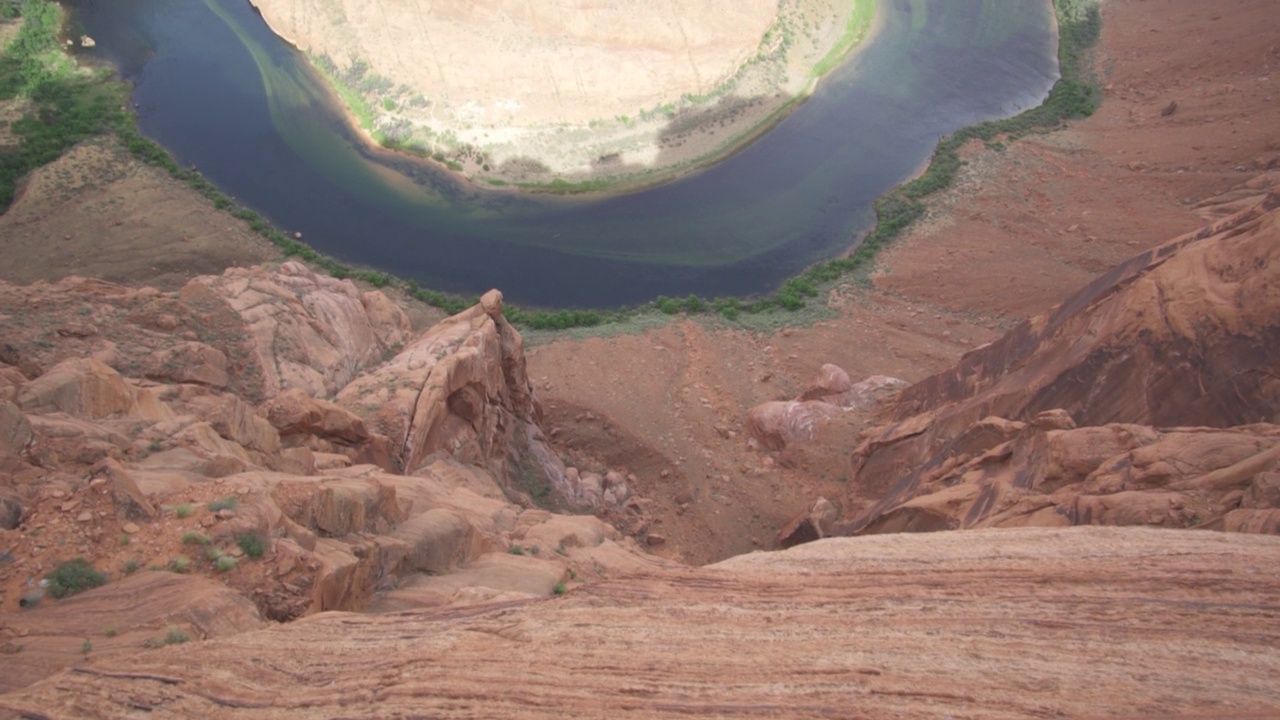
x=1253 y=521
x=1087 y=593
x=781 y=424
x=138 y=608
x=293 y=412
x=439 y=542
x=129 y=500
x=189 y=362
x=295 y=461
x=460 y=392
x=15 y=432
x=89 y=389
x=336 y=507
x=1175 y=335
x=307 y=331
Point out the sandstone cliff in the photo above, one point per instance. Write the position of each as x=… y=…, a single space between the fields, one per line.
x=189 y=432
x=1090 y=622
x=1147 y=398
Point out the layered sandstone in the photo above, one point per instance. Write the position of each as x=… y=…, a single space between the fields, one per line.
x=1089 y=622
x=1100 y=411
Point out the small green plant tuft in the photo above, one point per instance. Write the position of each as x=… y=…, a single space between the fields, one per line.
x=196 y=538
x=111 y=631
x=124 y=540
x=85 y=647
x=224 y=563
x=172 y=636
x=74 y=576
x=226 y=503
x=515 y=550
x=131 y=566
x=560 y=588
x=184 y=510
x=253 y=544
x=10 y=648
x=180 y=564
x=31 y=599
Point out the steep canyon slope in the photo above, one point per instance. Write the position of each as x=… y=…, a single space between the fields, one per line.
x=268 y=445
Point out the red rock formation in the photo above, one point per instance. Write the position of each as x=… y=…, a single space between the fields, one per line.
x=1186 y=334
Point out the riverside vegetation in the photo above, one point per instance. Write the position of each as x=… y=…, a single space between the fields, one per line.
x=68 y=104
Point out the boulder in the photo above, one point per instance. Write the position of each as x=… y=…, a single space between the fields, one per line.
x=306 y=331
x=189 y=362
x=293 y=412
x=15 y=431
x=130 y=502
x=460 y=392
x=781 y=424
x=83 y=388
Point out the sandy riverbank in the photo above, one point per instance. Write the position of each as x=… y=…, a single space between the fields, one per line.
x=727 y=79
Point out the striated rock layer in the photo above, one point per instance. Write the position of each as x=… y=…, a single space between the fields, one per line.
x=1091 y=622
x=1056 y=422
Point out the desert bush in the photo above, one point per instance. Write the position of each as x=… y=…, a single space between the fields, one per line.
x=74 y=576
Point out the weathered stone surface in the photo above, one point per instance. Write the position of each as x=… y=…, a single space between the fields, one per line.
x=189 y=362
x=294 y=412
x=334 y=507
x=138 y=609
x=1179 y=334
x=781 y=424
x=87 y=388
x=307 y=331
x=1101 y=598
x=15 y=431
x=129 y=500
x=461 y=391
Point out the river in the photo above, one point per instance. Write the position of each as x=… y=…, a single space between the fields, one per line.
x=221 y=92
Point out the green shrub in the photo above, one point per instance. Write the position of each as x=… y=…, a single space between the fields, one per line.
x=226 y=503
x=253 y=544
x=515 y=550
x=184 y=510
x=224 y=563
x=560 y=588
x=196 y=538
x=74 y=576
x=172 y=636
x=180 y=564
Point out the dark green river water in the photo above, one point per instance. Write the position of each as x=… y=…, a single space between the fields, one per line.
x=220 y=91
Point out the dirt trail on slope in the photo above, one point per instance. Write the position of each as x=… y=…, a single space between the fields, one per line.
x=1019 y=231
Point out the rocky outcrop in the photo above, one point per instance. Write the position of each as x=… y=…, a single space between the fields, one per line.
x=461 y=391
x=781 y=424
x=118 y=620
x=306 y=331
x=923 y=621
x=1023 y=431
